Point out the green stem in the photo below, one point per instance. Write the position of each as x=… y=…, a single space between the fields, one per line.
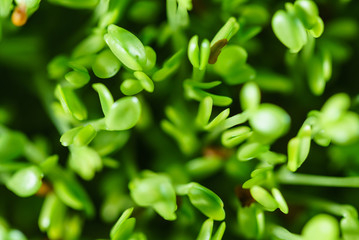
x=324 y=205
x=286 y=177
x=198 y=74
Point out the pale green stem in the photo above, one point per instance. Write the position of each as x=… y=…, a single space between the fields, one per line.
x=198 y=74
x=286 y=177
x=330 y=207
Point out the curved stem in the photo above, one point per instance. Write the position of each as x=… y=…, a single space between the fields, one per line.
x=286 y=177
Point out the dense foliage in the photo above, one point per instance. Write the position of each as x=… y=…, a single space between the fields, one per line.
x=179 y=119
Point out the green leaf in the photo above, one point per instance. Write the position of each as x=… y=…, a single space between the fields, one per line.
x=105 y=95
x=272 y=158
x=72 y=193
x=250 y=96
x=205 y=53
x=228 y=30
x=349 y=227
x=156 y=191
x=206 y=201
x=107 y=142
x=345 y=130
x=151 y=58
x=49 y=164
x=68 y=137
x=106 y=65
x=52 y=216
x=249 y=151
x=123 y=114
x=70 y=102
x=85 y=161
x=298 y=148
x=270 y=121
x=193 y=51
x=240 y=75
x=235 y=136
x=318 y=28
x=119 y=228
x=251 y=220
x=58 y=67
x=126 y=230
x=90 y=45
x=85 y=135
x=289 y=30
x=231 y=57
x=78 y=77
x=206 y=230
x=335 y=108
x=12 y=145
x=198 y=94
x=169 y=67
x=282 y=204
x=145 y=81
x=321 y=227
x=221 y=117
x=126 y=47
x=220 y=232
x=202 y=85
x=5 y=8
x=307 y=12
x=26 y=181
x=316 y=76
x=204 y=111
x=263 y=197
x=131 y=87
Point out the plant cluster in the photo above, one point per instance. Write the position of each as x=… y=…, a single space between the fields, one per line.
x=179 y=119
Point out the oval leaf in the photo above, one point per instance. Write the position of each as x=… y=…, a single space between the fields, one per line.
x=124 y=114
x=26 y=181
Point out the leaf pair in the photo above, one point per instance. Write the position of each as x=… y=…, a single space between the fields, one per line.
x=251 y=221
x=120 y=115
x=198 y=56
x=52 y=216
x=339 y=124
x=135 y=86
x=291 y=26
x=268 y=201
x=231 y=65
x=170 y=66
x=123 y=228
x=156 y=191
x=298 y=148
x=85 y=161
x=195 y=90
x=203 y=199
x=129 y=49
x=79 y=136
x=204 y=114
x=319 y=71
x=207 y=228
